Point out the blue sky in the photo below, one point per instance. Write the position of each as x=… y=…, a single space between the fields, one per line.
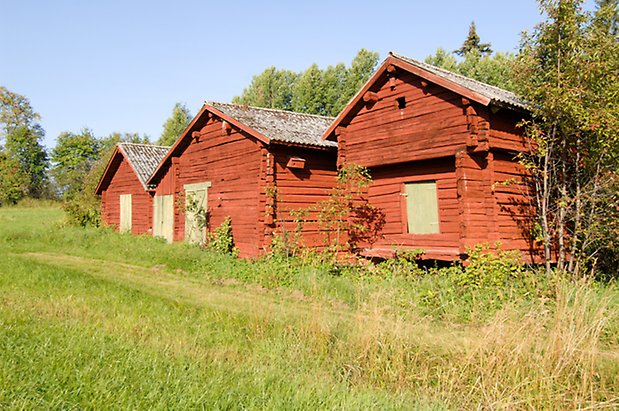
x=121 y=65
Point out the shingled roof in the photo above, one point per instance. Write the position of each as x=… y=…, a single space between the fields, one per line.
x=280 y=126
x=496 y=95
x=144 y=158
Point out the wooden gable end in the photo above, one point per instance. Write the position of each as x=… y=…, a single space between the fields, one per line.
x=123 y=182
x=229 y=161
x=405 y=119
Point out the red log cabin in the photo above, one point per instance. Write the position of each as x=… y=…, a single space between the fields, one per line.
x=441 y=149
x=126 y=198
x=253 y=165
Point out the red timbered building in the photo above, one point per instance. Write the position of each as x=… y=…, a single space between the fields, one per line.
x=441 y=149
x=126 y=198
x=253 y=165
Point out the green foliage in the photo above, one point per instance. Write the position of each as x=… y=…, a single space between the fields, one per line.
x=346 y=218
x=312 y=91
x=568 y=71
x=491 y=267
x=221 y=239
x=22 y=136
x=83 y=206
x=308 y=93
x=72 y=158
x=15 y=112
x=473 y=44
x=90 y=317
x=444 y=59
x=495 y=69
x=175 y=125
x=477 y=61
x=13 y=182
x=272 y=88
x=83 y=209
x=82 y=212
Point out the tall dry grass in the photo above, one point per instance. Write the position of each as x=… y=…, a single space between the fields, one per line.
x=552 y=357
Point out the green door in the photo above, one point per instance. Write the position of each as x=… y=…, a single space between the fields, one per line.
x=422 y=208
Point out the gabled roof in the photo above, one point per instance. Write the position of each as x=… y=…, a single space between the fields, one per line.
x=143 y=159
x=267 y=125
x=496 y=95
x=279 y=125
x=474 y=90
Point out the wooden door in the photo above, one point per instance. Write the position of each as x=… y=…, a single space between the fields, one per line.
x=163 y=217
x=125 y=213
x=196 y=198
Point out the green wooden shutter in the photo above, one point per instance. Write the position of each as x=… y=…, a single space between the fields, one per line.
x=125 y=213
x=422 y=208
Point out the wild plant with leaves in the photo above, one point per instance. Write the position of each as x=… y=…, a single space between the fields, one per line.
x=569 y=71
x=346 y=218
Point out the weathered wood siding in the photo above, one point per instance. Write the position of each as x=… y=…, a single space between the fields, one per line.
x=387 y=193
x=505 y=132
x=431 y=125
x=418 y=131
x=231 y=162
x=298 y=189
x=124 y=181
x=514 y=207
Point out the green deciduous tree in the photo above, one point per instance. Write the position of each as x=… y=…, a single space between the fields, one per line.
x=312 y=91
x=175 y=125
x=22 y=134
x=308 y=92
x=475 y=60
x=270 y=89
x=72 y=158
x=82 y=207
x=569 y=70
x=444 y=59
x=13 y=182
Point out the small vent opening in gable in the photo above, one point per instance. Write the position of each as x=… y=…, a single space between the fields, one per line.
x=401 y=102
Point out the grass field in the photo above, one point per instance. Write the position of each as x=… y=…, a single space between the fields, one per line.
x=93 y=319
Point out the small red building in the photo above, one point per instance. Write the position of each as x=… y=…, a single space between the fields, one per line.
x=251 y=164
x=441 y=149
x=126 y=199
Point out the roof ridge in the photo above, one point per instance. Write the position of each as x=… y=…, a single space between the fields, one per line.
x=141 y=144
x=451 y=73
x=276 y=110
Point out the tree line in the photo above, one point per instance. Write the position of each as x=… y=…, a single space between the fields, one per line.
x=567 y=68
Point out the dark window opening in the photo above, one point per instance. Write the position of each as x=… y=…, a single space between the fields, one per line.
x=401 y=102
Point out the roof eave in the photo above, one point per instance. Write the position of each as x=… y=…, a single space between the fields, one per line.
x=392 y=60
x=441 y=81
x=302 y=145
x=99 y=188
x=237 y=124
x=178 y=141
x=135 y=171
x=355 y=99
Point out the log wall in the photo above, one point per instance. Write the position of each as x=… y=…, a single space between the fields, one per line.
x=231 y=161
x=302 y=189
x=387 y=193
x=430 y=125
x=124 y=181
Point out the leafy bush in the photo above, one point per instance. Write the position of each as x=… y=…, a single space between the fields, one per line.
x=221 y=239
x=82 y=212
x=491 y=266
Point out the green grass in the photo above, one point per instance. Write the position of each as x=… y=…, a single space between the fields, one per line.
x=93 y=319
